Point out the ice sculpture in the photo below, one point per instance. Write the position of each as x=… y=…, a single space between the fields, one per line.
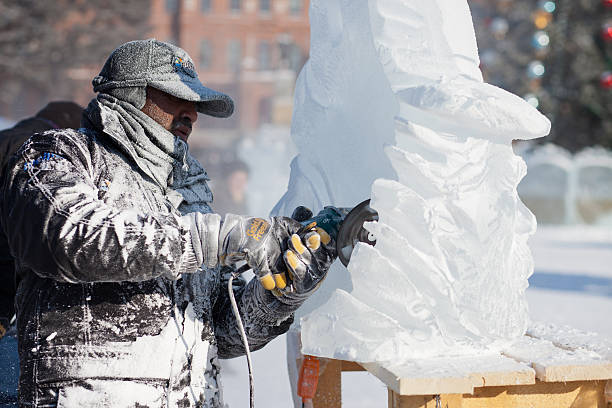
x=450 y=267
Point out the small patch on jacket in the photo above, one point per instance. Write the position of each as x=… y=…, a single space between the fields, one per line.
x=105 y=185
x=45 y=161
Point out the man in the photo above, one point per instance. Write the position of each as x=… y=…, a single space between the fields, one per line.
x=123 y=300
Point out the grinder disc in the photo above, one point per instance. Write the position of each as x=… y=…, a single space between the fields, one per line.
x=352 y=231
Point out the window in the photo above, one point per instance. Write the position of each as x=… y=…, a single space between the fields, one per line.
x=236 y=5
x=171 y=6
x=205 y=54
x=234 y=55
x=264 y=6
x=205 y=6
x=295 y=7
x=263 y=55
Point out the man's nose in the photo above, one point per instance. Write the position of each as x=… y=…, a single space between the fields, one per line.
x=189 y=111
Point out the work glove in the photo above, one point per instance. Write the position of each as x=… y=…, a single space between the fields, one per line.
x=274 y=249
x=310 y=253
x=259 y=242
x=204 y=234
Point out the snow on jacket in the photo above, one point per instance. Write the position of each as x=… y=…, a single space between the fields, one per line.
x=99 y=245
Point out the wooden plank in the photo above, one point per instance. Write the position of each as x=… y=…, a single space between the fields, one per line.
x=500 y=370
x=554 y=364
x=392 y=377
x=451 y=375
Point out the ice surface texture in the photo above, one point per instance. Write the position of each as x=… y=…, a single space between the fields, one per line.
x=449 y=271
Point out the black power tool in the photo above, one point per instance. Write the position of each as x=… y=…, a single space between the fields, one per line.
x=345 y=226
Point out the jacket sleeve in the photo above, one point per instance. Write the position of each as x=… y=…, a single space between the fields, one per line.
x=57 y=226
x=264 y=316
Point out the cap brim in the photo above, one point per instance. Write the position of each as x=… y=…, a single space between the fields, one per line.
x=209 y=101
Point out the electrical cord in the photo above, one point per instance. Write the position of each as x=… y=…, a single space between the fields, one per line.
x=245 y=341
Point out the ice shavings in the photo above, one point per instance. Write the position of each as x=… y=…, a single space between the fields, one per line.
x=450 y=267
x=568 y=338
x=554 y=364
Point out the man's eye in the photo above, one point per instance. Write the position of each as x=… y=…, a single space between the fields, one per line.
x=171 y=98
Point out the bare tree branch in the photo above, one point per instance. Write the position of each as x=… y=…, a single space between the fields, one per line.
x=42 y=41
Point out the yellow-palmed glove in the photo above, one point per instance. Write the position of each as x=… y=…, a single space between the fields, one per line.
x=308 y=257
x=258 y=241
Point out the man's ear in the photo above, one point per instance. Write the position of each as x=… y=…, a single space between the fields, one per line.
x=136 y=95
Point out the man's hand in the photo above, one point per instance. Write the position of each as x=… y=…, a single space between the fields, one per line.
x=308 y=258
x=259 y=242
x=283 y=254
x=308 y=264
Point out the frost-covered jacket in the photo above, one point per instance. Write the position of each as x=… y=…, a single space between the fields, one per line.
x=109 y=297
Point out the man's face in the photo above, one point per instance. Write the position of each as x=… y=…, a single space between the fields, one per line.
x=174 y=114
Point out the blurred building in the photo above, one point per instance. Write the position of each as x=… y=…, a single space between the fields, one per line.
x=250 y=49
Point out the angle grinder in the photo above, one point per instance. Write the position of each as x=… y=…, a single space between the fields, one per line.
x=352 y=231
x=345 y=226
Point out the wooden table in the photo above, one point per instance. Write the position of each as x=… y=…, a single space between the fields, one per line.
x=545 y=369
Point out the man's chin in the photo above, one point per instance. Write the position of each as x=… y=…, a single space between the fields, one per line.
x=181 y=135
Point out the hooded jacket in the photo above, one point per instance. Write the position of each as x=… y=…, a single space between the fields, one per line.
x=111 y=308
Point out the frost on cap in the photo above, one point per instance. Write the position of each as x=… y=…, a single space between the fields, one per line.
x=162 y=66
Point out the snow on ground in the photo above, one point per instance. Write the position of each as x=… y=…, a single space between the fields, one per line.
x=572 y=285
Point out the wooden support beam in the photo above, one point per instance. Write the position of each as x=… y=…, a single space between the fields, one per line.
x=351 y=366
x=425 y=401
x=575 y=394
x=329 y=389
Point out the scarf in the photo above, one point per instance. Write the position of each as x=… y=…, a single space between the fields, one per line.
x=157 y=152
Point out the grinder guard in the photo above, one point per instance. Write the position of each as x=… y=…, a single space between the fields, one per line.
x=352 y=231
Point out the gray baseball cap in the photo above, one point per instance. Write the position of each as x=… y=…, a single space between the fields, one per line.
x=162 y=66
